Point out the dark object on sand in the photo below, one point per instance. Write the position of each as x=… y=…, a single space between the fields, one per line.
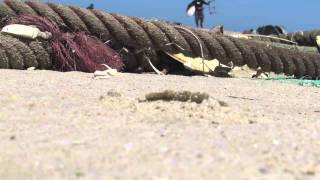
x=248 y=31
x=182 y=96
x=270 y=30
x=91 y=6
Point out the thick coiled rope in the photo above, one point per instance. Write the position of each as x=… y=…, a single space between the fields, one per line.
x=145 y=38
x=304 y=38
x=17 y=54
x=301 y=38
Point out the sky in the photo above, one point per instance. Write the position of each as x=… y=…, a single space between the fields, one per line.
x=236 y=15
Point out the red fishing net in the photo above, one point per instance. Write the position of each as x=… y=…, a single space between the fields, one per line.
x=74 y=51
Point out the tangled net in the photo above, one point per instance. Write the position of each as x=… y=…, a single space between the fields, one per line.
x=73 y=51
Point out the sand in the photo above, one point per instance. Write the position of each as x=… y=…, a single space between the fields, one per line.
x=70 y=126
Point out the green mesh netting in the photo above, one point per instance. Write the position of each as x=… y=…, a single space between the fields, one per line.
x=302 y=81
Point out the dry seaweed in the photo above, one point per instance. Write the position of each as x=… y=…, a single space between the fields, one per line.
x=182 y=96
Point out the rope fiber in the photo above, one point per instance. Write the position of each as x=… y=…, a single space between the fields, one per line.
x=146 y=38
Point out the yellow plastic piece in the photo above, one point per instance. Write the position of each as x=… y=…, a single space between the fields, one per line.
x=318 y=41
x=196 y=64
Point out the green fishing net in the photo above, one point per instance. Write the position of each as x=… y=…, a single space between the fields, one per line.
x=305 y=81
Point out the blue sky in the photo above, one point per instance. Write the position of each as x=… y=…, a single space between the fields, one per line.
x=235 y=15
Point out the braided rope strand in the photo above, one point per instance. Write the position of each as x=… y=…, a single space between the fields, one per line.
x=150 y=36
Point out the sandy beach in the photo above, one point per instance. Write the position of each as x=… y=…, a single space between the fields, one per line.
x=57 y=125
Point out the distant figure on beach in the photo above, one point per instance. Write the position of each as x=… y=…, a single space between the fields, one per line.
x=91 y=6
x=196 y=8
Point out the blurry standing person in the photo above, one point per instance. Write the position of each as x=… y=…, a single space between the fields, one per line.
x=197 y=5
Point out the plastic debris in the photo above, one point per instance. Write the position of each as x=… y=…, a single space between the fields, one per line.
x=106 y=73
x=196 y=64
x=246 y=72
x=25 y=31
x=31 y=68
